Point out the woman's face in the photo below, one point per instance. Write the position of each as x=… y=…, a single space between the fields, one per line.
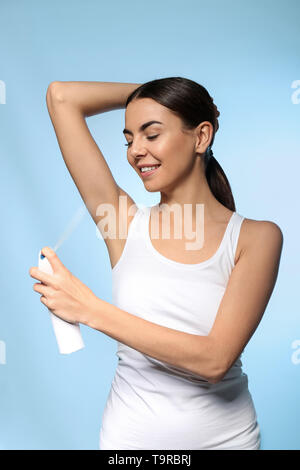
x=163 y=144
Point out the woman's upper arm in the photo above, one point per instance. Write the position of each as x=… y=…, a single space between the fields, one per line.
x=247 y=294
x=83 y=158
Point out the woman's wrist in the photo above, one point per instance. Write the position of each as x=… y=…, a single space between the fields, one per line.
x=92 y=317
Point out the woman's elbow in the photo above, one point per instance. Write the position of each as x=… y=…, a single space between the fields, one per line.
x=55 y=92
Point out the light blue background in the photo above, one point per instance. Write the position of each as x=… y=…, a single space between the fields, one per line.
x=247 y=56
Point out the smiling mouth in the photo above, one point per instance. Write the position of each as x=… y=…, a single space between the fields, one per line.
x=149 y=172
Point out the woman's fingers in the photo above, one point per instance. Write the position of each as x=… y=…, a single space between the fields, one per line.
x=57 y=267
x=41 y=288
x=40 y=275
x=53 y=259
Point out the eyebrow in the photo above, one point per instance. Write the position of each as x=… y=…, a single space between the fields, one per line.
x=142 y=127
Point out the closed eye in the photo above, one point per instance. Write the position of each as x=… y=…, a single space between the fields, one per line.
x=150 y=137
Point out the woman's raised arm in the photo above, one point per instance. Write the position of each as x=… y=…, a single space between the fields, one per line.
x=93 y=97
x=69 y=103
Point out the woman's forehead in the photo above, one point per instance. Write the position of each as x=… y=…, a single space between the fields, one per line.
x=143 y=112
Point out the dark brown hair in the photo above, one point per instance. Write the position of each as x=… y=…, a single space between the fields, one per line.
x=193 y=104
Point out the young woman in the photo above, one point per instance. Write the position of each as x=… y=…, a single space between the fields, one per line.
x=182 y=314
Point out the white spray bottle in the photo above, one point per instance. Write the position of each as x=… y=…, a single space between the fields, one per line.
x=67 y=334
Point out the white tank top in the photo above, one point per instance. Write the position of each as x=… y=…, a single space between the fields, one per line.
x=151 y=404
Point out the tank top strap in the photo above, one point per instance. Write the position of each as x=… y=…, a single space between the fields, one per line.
x=137 y=225
x=134 y=241
x=233 y=235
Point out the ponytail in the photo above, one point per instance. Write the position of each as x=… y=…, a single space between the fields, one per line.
x=219 y=184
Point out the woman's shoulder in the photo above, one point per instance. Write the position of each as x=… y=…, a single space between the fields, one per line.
x=252 y=226
x=253 y=230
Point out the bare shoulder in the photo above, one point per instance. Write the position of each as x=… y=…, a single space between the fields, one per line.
x=258 y=232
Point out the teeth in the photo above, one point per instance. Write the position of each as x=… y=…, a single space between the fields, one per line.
x=147 y=168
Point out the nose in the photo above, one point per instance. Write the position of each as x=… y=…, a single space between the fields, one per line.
x=137 y=151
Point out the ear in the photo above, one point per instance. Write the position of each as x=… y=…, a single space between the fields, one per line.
x=204 y=134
